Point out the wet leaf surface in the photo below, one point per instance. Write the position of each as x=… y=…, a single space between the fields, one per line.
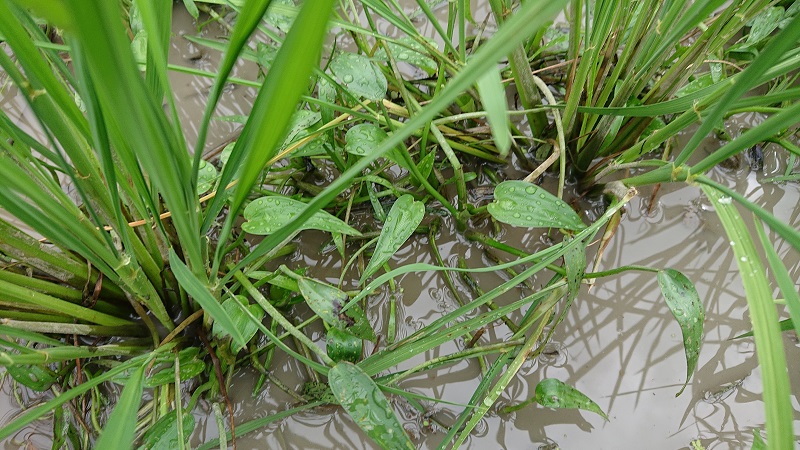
x=163 y=435
x=404 y=217
x=554 y=393
x=342 y=346
x=328 y=301
x=240 y=319
x=359 y=75
x=37 y=378
x=190 y=367
x=262 y=218
x=575 y=264
x=524 y=204
x=367 y=405
x=206 y=175
x=685 y=304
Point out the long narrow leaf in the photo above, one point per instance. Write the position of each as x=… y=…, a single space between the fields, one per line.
x=201 y=295
x=121 y=425
x=764 y=317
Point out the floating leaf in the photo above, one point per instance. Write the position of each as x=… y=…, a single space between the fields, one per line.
x=265 y=215
x=685 y=304
x=404 y=217
x=342 y=346
x=524 y=204
x=553 y=393
x=327 y=302
x=367 y=405
x=359 y=75
x=163 y=435
x=408 y=50
x=493 y=98
x=240 y=319
x=206 y=175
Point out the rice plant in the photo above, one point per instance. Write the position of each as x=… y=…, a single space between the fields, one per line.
x=159 y=270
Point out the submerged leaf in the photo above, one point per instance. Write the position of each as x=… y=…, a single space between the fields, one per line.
x=524 y=204
x=359 y=75
x=575 y=265
x=328 y=302
x=404 y=217
x=38 y=378
x=685 y=304
x=554 y=393
x=367 y=405
x=265 y=215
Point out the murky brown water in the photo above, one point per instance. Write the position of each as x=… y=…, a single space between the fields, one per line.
x=619 y=343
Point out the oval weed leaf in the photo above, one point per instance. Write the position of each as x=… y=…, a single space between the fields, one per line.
x=367 y=405
x=408 y=50
x=206 y=175
x=265 y=215
x=685 y=304
x=359 y=75
x=343 y=346
x=190 y=367
x=363 y=138
x=327 y=302
x=404 y=217
x=553 y=393
x=524 y=204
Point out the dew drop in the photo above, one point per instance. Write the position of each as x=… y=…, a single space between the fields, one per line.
x=403 y=56
x=530 y=190
x=347 y=78
x=517 y=215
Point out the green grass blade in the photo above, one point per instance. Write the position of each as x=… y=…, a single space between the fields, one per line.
x=493 y=98
x=785 y=281
x=202 y=296
x=764 y=317
x=769 y=56
x=532 y=15
x=272 y=110
x=32 y=414
x=246 y=23
x=121 y=426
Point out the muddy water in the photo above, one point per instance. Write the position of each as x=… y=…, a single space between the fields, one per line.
x=619 y=343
